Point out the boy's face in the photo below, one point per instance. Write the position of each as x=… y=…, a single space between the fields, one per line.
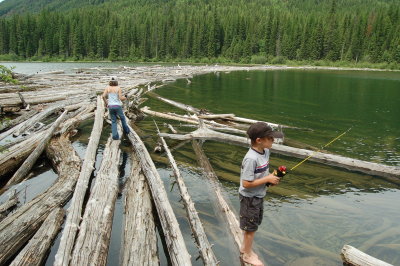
x=265 y=142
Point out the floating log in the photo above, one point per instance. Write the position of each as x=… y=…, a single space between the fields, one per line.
x=75 y=209
x=200 y=236
x=91 y=247
x=352 y=256
x=392 y=173
x=179 y=105
x=16 y=121
x=29 y=162
x=139 y=246
x=35 y=252
x=173 y=236
x=17 y=228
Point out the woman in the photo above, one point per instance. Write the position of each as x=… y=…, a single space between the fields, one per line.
x=114 y=97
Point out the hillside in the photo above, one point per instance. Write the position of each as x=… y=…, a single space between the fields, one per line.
x=254 y=31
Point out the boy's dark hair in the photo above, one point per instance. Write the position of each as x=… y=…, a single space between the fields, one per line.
x=113 y=81
x=260 y=130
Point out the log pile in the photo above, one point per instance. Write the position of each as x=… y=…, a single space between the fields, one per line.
x=70 y=99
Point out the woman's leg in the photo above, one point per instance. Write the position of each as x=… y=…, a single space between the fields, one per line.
x=123 y=120
x=113 y=115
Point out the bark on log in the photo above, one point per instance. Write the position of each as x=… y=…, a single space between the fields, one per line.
x=391 y=173
x=173 y=236
x=34 y=253
x=139 y=247
x=91 y=247
x=17 y=228
x=352 y=256
x=75 y=210
x=199 y=234
x=29 y=162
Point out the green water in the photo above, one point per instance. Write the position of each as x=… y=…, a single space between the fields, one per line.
x=316 y=209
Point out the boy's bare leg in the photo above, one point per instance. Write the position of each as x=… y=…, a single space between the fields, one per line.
x=247 y=244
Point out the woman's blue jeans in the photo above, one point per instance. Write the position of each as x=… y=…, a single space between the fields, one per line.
x=114 y=112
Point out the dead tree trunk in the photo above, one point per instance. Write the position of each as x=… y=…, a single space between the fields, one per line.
x=34 y=253
x=17 y=228
x=18 y=120
x=10 y=203
x=75 y=210
x=91 y=247
x=173 y=235
x=139 y=247
x=200 y=236
x=27 y=165
x=352 y=256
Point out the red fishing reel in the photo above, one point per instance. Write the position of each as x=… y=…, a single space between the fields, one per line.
x=281 y=171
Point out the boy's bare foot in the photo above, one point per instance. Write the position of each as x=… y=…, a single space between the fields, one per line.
x=252 y=253
x=252 y=259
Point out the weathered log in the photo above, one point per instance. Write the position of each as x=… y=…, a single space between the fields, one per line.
x=10 y=203
x=200 y=236
x=16 y=121
x=17 y=228
x=179 y=105
x=35 y=252
x=352 y=256
x=24 y=104
x=91 y=247
x=30 y=161
x=391 y=173
x=216 y=116
x=173 y=235
x=75 y=209
x=139 y=246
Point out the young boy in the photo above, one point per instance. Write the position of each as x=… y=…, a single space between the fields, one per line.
x=253 y=179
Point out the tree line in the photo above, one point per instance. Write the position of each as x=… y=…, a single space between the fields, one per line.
x=233 y=30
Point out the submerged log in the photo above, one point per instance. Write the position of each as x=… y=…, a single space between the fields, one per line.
x=17 y=228
x=91 y=247
x=233 y=223
x=139 y=246
x=35 y=252
x=392 y=173
x=200 y=236
x=27 y=165
x=75 y=209
x=352 y=256
x=173 y=235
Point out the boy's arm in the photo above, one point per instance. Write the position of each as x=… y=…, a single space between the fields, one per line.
x=271 y=178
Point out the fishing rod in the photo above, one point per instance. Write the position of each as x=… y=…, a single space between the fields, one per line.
x=281 y=171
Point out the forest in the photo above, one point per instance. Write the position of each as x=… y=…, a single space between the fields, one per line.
x=255 y=31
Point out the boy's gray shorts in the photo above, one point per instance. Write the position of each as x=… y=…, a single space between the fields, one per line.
x=251 y=213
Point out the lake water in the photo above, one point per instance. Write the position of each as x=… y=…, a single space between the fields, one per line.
x=316 y=209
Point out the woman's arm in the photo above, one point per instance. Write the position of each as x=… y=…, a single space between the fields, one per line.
x=104 y=95
x=121 y=97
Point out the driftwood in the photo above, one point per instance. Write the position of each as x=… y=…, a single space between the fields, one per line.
x=75 y=209
x=200 y=236
x=391 y=172
x=91 y=247
x=10 y=203
x=34 y=253
x=352 y=256
x=24 y=104
x=139 y=246
x=17 y=228
x=179 y=105
x=173 y=236
x=29 y=162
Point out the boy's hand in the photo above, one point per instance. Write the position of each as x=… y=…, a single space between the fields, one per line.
x=272 y=180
